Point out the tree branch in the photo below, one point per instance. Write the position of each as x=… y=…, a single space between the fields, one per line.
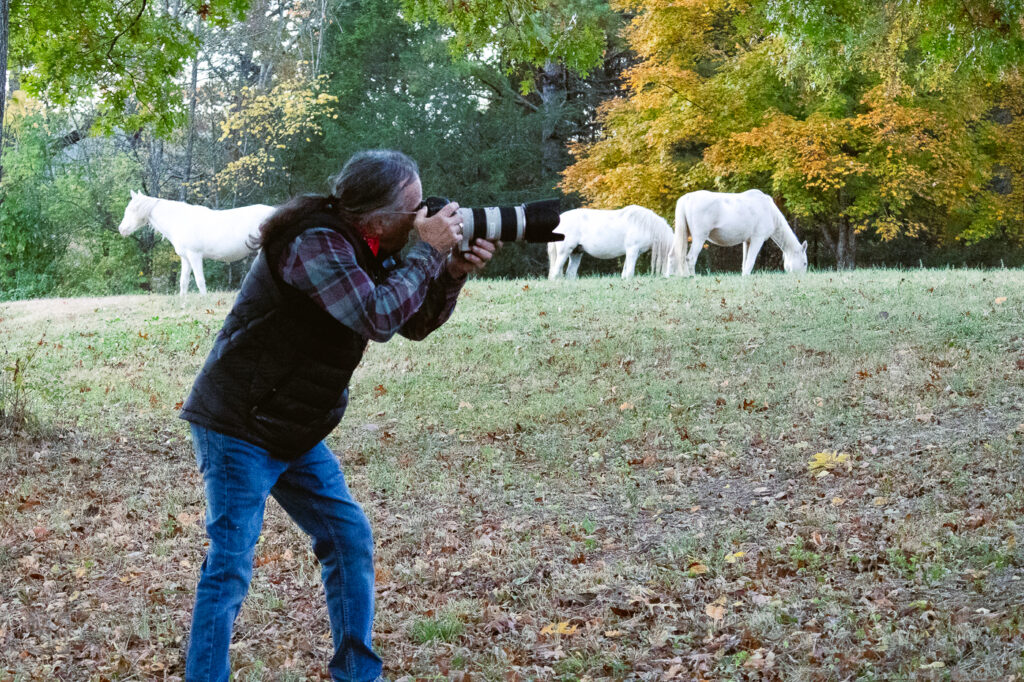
x=130 y=26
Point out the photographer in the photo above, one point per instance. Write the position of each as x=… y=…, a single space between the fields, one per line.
x=275 y=384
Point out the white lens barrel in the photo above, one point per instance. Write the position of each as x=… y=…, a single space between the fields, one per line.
x=467 y=227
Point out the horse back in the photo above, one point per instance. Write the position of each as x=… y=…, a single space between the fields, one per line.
x=728 y=219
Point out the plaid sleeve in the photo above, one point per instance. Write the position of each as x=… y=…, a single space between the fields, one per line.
x=436 y=309
x=322 y=264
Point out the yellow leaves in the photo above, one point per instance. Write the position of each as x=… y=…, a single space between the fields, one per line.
x=279 y=119
x=716 y=609
x=697 y=568
x=823 y=462
x=562 y=628
x=732 y=558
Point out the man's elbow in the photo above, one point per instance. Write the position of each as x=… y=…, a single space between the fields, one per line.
x=415 y=333
x=380 y=334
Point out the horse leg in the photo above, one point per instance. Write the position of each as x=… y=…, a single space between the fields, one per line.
x=197 y=267
x=750 y=255
x=746 y=245
x=696 y=246
x=574 y=264
x=632 y=253
x=186 y=272
x=558 y=256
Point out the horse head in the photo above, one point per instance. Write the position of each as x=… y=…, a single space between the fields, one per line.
x=796 y=260
x=136 y=214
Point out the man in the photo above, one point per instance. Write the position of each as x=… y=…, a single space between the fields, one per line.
x=276 y=383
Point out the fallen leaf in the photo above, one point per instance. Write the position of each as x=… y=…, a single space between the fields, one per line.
x=731 y=558
x=1001 y=300
x=626 y=406
x=823 y=462
x=715 y=611
x=562 y=628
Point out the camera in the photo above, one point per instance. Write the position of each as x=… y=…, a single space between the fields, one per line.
x=531 y=222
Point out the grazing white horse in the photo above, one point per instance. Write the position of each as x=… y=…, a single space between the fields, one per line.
x=197 y=232
x=627 y=231
x=749 y=218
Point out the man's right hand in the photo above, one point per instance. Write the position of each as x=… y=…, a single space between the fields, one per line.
x=443 y=230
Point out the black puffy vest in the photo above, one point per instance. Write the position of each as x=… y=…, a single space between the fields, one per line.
x=278 y=373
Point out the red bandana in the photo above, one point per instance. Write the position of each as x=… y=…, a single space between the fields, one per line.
x=373 y=243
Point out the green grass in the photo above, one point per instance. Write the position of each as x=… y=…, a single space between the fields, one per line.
x=566 y=481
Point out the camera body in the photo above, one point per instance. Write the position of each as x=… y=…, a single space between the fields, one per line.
x=531 y=222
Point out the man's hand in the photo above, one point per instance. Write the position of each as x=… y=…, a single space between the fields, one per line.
x=443 y=230
x=464 y=262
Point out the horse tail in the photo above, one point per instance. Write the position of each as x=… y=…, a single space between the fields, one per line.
x=662 y=245
x=656 y=232
x=679 y=248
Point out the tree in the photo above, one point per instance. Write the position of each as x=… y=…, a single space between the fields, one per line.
x=732 y=94
x=262 y=131
x=541 y=42
x=123 y=54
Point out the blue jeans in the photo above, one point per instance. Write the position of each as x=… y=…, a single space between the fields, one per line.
x=238 y=476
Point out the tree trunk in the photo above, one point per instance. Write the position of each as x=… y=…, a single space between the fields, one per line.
x=841 y=241
x=5 y=15
x=320 y=38
x=552 y=95
x=147 y=238
x=192 y=114
x=846 y=256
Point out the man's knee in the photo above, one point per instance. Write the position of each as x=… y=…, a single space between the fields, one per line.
x=353 y=539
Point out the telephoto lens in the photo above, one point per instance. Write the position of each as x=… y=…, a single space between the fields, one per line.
x=531 y=222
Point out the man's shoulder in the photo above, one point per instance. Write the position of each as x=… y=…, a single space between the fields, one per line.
x=315 y=240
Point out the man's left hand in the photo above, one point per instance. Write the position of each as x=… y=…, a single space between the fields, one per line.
x=465 y=262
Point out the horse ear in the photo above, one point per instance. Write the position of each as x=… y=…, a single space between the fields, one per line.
x=805 y=246
x=133 y=193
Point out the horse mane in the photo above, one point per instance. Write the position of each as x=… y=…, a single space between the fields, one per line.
x=148 y=202
x=782 y=227
x=659 y=231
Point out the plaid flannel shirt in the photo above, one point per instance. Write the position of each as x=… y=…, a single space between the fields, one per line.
x=417 y=297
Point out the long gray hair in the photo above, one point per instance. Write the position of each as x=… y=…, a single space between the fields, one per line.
x=372 y=180
x=369 y=181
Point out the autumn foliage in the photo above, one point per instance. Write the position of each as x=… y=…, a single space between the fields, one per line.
x=722 y=101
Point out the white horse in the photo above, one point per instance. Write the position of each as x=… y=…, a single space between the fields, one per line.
x=749 y=218
x=197 y=232
x=627 y=231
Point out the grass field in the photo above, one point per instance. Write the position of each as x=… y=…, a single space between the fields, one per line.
x=785 y=477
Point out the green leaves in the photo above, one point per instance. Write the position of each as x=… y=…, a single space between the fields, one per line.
x=522 y=32
x=122 y=55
